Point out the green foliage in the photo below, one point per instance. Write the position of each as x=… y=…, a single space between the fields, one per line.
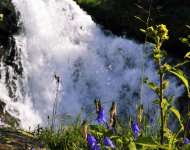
x=149 y=143
x=159 y=34
x=64 y=139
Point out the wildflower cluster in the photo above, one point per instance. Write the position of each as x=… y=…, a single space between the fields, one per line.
x=105 y=130
x=92 y=142
x=159 y=33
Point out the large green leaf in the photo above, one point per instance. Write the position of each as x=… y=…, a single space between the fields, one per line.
x=180 y=74
x=177 y=114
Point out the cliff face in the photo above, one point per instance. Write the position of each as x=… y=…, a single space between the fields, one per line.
x=9 y=25
x=8 y=54
x=119 y=17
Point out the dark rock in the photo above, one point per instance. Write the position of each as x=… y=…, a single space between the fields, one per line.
x=14 y=139
x=119 y=17
x=2 y=106
x=9 y=25
x=6 y=117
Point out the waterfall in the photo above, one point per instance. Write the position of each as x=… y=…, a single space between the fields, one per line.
x=58 y=37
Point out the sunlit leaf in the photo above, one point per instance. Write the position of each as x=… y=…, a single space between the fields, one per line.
x=164 y=104
x=143 y=31
x=132 y=146
x=184 y=40
x=187 y=55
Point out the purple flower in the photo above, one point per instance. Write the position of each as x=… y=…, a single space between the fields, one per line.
x=97 y=147
x=101 y=118
x=186 y=141
x=135 y=129
x=108 y=142
x=92 y=142
x=32 y=148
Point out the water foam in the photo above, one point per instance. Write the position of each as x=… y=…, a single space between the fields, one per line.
x=60 y=38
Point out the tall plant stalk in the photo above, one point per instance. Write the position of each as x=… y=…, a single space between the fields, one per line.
x=159 y=35
x=161 y=94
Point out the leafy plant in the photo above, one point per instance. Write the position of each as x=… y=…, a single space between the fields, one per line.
x=159 y=34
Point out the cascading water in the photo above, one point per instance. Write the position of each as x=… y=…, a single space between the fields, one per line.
x=59 y=38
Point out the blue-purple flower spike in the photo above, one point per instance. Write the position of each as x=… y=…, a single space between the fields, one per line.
x=135 y=129
x=108 y=142
x=101 y=118
x=91 y=141
x=186 y=141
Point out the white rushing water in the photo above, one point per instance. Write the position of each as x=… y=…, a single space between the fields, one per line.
x=60 y=38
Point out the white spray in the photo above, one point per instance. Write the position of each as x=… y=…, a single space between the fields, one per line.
x=60 y=38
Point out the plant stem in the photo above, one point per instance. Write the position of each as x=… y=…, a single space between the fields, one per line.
x=161 y=100
x=161 y=110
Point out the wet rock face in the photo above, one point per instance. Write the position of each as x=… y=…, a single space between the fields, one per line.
x=9 y=25
x=9 y=56
x=13 y=139
x=6 y=118
x=2 y=106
